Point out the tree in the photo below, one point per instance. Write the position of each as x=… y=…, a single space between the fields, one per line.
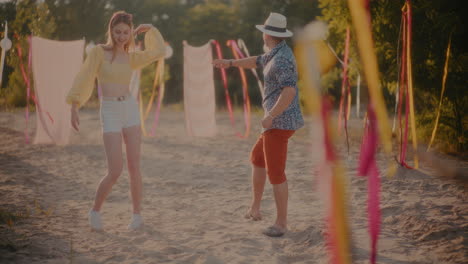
x=78 y=19
x=7 y=13
x=32 y=17
x=433 y=22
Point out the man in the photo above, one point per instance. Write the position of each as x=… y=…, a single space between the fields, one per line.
x=282 y=117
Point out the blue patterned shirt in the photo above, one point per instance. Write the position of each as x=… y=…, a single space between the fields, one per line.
x=279 y=71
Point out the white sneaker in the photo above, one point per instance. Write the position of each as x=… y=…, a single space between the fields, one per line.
x=95 y=220
x=136 y=223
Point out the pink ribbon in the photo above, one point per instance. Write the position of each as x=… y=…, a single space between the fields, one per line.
x=368 y=167
x=245 y=92
x=404 y=89
x=225 y=84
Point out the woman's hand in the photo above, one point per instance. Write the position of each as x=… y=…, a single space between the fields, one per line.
x=222 y=63
x=142 y=28
x=75 y=120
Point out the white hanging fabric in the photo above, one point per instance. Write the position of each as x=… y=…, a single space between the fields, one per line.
x=54 y=65
x=199 y=93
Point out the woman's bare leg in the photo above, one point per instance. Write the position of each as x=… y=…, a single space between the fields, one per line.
x=113 y=148
x=132 y=137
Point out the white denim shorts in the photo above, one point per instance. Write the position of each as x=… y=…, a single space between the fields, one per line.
x=118 y=114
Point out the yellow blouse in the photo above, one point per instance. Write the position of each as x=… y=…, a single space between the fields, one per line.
x=96 y=65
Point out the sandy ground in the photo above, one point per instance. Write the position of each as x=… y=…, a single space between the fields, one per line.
x=195 y=194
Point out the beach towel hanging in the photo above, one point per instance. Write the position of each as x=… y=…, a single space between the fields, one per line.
x=199 y=93
x=54 y=66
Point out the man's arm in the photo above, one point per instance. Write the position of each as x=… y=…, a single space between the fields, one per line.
x=284 y=100
x=247 y=63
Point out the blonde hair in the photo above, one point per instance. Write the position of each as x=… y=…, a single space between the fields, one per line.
x=117 y=18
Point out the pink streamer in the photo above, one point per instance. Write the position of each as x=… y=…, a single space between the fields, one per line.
x=329 y=151
x=368 y=167
x=404 y=88
x=225 y=84
x=244 y=90
x=236 y=47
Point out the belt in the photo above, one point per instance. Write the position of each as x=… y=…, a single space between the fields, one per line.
x=120 y=98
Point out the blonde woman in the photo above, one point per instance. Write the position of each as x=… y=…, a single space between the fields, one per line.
x=112 y=64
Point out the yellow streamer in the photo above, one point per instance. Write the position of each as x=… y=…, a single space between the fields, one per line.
x=369 y=60
x=339 y=210
x=142 y=120
x=158 y=79
x=410 y=92
x=444 y=79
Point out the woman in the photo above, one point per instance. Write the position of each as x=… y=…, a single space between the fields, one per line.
x=113 y=64
x=282 y=118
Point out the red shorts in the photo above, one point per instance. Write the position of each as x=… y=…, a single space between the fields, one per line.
x=270 y=152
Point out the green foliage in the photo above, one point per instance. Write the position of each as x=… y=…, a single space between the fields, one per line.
x=196 y=21
x=31 y=17
x=77 y=19
x=433 y=22
x=447 y=137
x=7 y=13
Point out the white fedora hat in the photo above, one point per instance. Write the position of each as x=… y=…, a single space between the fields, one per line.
x=275 y=26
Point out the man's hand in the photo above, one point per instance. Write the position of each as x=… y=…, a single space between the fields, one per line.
x=221 y=63
x=267 y=122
